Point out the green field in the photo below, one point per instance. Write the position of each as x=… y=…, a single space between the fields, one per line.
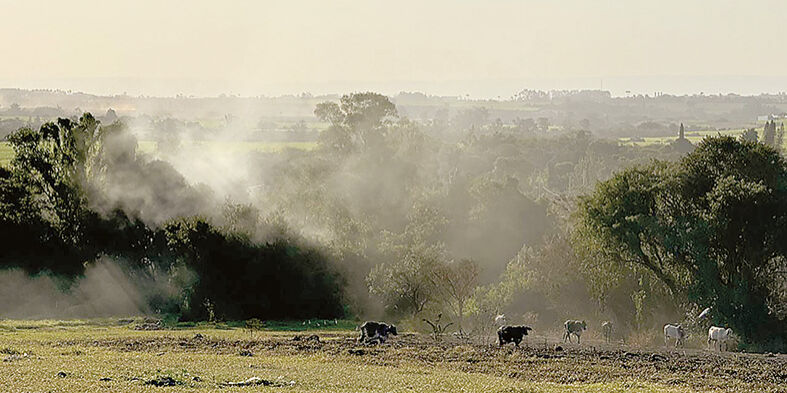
x=217 y=147
x=694 y=137
x=239 y=147
x=6 y=153
x=113 y=356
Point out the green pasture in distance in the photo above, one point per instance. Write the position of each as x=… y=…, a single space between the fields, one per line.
x=694 y=137
x=232 y=147
x=6 y=153
x=219 y=147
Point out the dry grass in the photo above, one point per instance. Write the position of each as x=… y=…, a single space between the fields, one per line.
x=205 y=359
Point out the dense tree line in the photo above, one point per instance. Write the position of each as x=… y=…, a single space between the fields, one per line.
x=59 y=212
x=389 y=216
x=412 y=215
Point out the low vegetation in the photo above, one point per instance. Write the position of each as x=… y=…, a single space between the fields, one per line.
x=80 y=356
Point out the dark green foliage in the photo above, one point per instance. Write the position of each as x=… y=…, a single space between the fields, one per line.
x=241 y=279
x=57 y=215
x=710 y=228
x=42 y=204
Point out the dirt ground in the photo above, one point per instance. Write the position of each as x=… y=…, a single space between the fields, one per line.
x=538 y=359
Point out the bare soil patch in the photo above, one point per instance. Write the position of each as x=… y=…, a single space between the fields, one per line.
x=697 y=369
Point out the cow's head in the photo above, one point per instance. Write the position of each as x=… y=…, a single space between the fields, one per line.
x=526 y=329
x=584 y=325
x=392 y=330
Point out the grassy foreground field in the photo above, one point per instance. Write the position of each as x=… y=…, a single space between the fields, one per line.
x=112 y=356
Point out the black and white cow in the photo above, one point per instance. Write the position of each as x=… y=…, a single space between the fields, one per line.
x=512 y=334
x=376 y=331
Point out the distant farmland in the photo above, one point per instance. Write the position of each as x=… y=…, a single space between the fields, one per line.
x=6 y=153
x=694 y=137
x=219 y=147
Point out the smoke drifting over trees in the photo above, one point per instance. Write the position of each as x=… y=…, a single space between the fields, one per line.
x=459 y=215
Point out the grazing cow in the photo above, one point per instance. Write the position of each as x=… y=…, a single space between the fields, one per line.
x=500 y=320
x=575 y=328
x=674 y=331
x=371 y=331
x=606 y=329
x=720 y=336
x=514 y=334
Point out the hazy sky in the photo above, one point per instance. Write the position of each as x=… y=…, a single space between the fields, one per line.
x=477 y=47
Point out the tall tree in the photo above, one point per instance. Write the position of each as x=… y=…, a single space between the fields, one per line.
x=708 y=227
x=359 y=119
x=769 y=133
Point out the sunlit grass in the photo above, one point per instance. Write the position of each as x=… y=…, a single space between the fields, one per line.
x=6 y=153
x=62 y=356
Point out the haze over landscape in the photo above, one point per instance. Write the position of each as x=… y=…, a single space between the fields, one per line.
x=341 y=196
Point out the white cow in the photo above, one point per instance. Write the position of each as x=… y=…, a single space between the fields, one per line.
x=676 y=332
x=607 y=329
x=500 y=320
x=720 y=336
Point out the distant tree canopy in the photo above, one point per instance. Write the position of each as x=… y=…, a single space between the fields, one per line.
x=773 y=134
x=709 y=227
x=750 y=135
x=356 y=121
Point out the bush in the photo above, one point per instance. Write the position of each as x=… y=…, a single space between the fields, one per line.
x=241 y=279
